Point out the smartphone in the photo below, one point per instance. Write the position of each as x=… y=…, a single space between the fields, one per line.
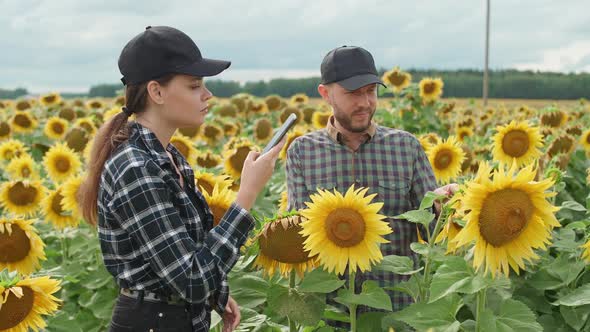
x=278 y=136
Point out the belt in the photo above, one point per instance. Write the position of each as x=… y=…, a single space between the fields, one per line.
x=153 y=297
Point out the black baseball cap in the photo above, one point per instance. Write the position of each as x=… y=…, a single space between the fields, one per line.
x=162 y=50
x=350 y=66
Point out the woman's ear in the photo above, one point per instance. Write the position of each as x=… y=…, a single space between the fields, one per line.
x=154 y=90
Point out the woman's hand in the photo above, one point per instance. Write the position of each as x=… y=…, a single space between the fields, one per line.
x=231 y=316
x=256 y=172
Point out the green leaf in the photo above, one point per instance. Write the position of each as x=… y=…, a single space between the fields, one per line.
x=251 y=282
x=371 y=295
x=544 y=281
x=397 y=264
x=423 y=217
x=63 y=322
x=320 y=281
x=410 y=286
x=370 y=321
x=455 y=276
x=439 y=315
x=248 y=298
x=573 y=205
x=512 y=316
x=577 y=225
x=577 y=297
x=305 y=309
x=576 y=317
x=333 y=313
x=565 y=269
x=429 y=199
x=101 y=303
x=553 y=323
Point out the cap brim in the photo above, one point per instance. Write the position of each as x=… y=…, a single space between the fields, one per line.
x=205 y=67
x=358 y=81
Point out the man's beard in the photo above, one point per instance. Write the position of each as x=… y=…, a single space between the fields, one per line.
x=346 y=121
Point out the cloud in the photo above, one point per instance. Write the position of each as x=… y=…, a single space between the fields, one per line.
x=71 y=45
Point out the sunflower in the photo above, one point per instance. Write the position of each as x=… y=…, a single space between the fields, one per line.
x=23 y=122
x=320 y=119
x=86 y=124
x=226 y=110
x=508 y=217
x=241 y=102
x=22 y=168
x=69 y=191
x=190 y=132
x=21 y=197
x=61 y=162
x=11 y=149
x=273 y=102
x=463 y=132
x=431 y=89
x=299 y=99
x=23 y=105
x=5 y=130
x=120 y=101
x=206 y=182
x=586 y=253
x=54 y=212
x=258 y=107
x=56 y=128
x=208 y=160
x=235 y=158
x=344 y=229
x=231 y=129
x=291 y=136
x=282 y=249
x=585 y=140
x=429 y=139
x=94 y=104
x=185 y=147
x=517 y=140
x=291 y=110
x=212 y=133
x=219 y=201
x=575 y=130
x=397 y=79
x=308 y=113
x=563 y=144
x=21 y=248
x=67 y=113
x=446 y=158
x=553 y=118
x=263 y=130
x=77 y=139
x=50 y=99
x=283 y=202
x=23 y=304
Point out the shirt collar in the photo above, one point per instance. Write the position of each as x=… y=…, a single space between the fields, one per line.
x=152 y=143
x=337 y=136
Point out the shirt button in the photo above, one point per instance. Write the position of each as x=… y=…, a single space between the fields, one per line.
x=160 y=315
x=151 y=330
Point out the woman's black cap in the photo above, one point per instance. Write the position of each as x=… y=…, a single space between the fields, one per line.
x=163 y=50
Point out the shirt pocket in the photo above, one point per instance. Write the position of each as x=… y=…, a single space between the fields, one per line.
x=394 y=193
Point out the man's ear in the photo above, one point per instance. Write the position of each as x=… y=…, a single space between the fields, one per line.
x=155 y=92
x=323 y=90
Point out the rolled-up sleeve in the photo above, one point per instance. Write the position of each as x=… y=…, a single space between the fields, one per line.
x=143 y=207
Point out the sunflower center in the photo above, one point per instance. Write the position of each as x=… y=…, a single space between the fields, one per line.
x=21 y=195
x=263 y=129
x=14 y=247
x=49 y=99
x=429 y=87
x=515 y=143
x=207 y=161
x=87 y=126
x=211 y=132
x=345 y=227
x=22 y=120
x=56 y=204
x=62 y=164
x=184 y=150
x=77 y=139
x=587 y=138
x=189 y=131
x=16 y=310
x=397 y=79
x=57 y=128
x=67 y=113
x=25 y=172
x=504 y=215
x=238 y=158
x=443 y=159
x=4 y=129
x=23 y=105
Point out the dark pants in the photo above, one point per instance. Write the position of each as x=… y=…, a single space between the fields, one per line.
x=139 y=315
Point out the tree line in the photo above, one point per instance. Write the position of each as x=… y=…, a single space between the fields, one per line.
x=464 y=83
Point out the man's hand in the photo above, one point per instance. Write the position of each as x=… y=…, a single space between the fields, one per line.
x=231 y=316
x=448 y=191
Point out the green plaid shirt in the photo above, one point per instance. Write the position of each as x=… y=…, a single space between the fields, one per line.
x=390 y=163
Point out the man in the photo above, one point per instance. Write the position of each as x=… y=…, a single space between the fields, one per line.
x=352 y=149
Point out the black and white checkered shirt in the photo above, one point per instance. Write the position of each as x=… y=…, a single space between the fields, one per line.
x=157 y=237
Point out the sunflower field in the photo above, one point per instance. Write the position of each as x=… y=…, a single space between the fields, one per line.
x=508 y=252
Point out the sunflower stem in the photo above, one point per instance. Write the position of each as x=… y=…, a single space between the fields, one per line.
x=352 y=308
x=64 y=247
x=292 y=324
x=481 y=303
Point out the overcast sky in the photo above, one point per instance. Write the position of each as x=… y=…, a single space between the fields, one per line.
x=69 y=45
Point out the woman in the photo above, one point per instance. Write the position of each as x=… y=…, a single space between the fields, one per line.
x=154 y=226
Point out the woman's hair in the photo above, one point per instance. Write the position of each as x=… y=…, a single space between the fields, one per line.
x=110 y=135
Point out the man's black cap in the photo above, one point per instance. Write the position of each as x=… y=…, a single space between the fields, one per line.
x=350 y=66
x=163 y=50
